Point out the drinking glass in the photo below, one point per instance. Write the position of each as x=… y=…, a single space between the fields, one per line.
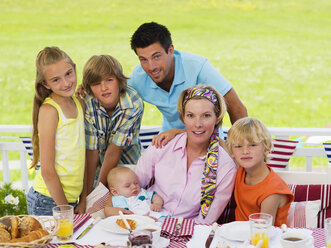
x=327 y=226
x=260 y=223
x=64 y=216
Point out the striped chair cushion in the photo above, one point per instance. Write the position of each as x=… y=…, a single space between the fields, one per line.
x=304 y=214
x=327 y=148
x=225 y=135
x=28 y=147
x=302 y=193
x=312 y=193
x=282 y=152
x=228 y=214
x=146 y=135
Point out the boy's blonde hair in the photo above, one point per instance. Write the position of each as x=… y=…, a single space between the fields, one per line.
x=219 y=110
x=98 y=67
x=113 y=174
x=249 y=128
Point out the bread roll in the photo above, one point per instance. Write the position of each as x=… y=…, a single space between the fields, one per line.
x=14 y=227
x=27 y=225
x=4 y=235
x=34 y=235
x=3 y=226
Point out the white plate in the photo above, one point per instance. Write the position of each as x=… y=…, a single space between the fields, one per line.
x=239 y=231
x=110 y=225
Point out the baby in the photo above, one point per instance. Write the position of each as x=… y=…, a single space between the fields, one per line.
x=126 y=193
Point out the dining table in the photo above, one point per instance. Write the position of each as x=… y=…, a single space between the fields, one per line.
x=99 y=234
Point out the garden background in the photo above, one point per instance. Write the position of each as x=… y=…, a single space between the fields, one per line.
x=277 y=54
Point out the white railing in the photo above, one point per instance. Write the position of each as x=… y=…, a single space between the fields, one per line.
x=5 y=147
x=14 y=144
x=308 y=150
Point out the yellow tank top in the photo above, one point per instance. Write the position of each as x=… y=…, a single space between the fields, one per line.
x=69 y=154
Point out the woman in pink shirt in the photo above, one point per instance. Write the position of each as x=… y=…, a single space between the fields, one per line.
x=193 y=174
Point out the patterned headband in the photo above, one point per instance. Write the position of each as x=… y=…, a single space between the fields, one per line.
x=205 y=93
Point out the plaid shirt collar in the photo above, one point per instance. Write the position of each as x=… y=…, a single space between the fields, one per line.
x=124 y=103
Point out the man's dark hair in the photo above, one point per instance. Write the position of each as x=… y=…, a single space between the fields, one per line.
x=149 y=33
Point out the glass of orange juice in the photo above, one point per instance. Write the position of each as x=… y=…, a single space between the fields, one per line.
x=327 y=226
x=64 y=216
x=260 y=223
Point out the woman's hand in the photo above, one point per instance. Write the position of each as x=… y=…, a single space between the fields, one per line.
x=157 y=203
x=151 y=217
x=163 y=138
x=156 y=207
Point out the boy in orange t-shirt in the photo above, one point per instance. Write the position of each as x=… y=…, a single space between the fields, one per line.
x=258 y=189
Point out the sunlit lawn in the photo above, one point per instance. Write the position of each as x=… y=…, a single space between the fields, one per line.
x=277 y=54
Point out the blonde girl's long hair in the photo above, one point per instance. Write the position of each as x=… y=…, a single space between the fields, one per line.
x=47 y=56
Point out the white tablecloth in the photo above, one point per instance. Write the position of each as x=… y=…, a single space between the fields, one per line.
x=98 y=235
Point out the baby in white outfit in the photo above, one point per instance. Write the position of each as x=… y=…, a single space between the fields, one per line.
x=124 y=186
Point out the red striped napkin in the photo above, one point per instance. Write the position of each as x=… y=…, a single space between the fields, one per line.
x=74 y=245
x=79 y=220
x=96 y=200
x=185 y=233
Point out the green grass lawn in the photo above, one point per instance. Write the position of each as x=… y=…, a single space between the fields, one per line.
x=277 y=54
x=15 y=175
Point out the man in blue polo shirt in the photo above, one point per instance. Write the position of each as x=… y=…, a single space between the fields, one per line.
x=164 y=73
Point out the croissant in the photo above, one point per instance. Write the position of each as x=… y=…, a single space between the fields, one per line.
x=34 y=235
x=27 y=225
x=131 y=223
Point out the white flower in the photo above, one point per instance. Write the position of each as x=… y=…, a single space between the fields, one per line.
x=11 y=199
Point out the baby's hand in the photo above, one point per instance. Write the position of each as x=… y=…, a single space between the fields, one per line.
x=156 y=207
x=147 y=214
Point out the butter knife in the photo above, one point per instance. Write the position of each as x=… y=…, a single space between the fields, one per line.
x=211 y=235
x=125 y=221
x=89 y=227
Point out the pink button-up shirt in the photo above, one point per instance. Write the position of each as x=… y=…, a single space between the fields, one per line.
x=181 y=188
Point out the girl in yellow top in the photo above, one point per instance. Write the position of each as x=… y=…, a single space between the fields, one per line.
x=58 y=136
